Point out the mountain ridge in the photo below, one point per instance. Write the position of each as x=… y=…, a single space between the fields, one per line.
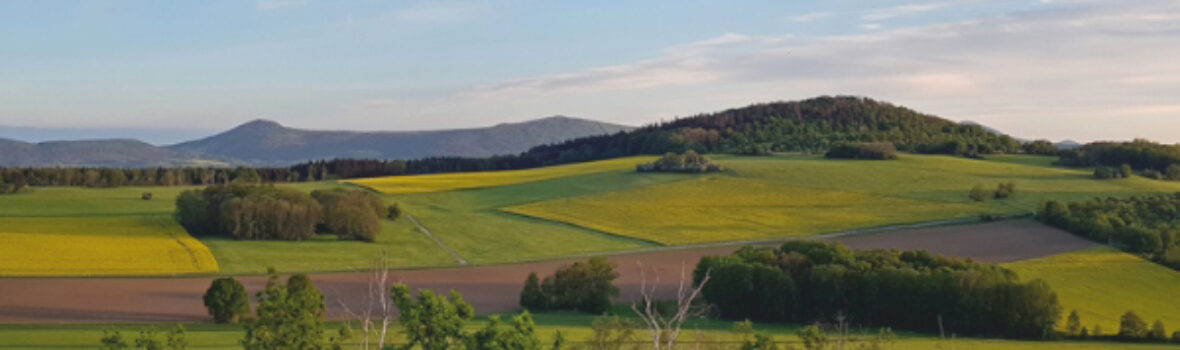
x=265 y=142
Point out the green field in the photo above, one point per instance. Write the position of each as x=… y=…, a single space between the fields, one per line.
x=1103 y=283
x=797 y=195
x=602 y=206
x=573 y=326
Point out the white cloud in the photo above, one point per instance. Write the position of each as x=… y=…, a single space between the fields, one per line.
x=870 y=26
x=1095 y=71
x=903 y=10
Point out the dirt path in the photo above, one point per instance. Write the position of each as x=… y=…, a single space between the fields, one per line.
x=489 y=288
x=425 y=231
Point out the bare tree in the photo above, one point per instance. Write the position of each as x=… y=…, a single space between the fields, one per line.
x=664 y=330
x=378 y=298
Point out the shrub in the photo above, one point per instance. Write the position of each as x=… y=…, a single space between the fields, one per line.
x=978 y=193
x=226 y=300
x=1173 y=172
x=1005 y=190
x=431 y=321
x=393 y=212
x=518 y=334
x=147 y=196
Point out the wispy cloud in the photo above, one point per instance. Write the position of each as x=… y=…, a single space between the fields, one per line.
x=1032 y=72
x=903 y=10
x=810 y=17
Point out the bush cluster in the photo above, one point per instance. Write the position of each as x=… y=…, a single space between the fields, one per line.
x=809 y=281
x=1002 y=191
x=270 y=213
x=874 y=151
x=1147 y=225
x=689 y=162
x=582 y=286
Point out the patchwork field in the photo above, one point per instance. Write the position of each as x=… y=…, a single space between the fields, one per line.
x=126 y=245
x=798 y=195
x=1103 y=283
x=464 y=181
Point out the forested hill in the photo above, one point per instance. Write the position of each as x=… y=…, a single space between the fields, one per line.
x=808 y=125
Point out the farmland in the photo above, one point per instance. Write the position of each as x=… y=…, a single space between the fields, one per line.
x=605 y=206
x=798 y=195
x=1103 y=283
x=465 y=181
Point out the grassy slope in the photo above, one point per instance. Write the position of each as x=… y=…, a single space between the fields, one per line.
x=471 y=223
x=761 y=197
x=1103 y=283
x=573 y=326
x=484 y=179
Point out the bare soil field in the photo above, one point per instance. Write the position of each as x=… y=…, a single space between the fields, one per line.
x=489 y=289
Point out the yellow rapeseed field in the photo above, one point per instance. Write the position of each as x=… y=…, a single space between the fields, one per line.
x=463 y=181
x=723 y=208
x=1103 y=283
x=108 y=245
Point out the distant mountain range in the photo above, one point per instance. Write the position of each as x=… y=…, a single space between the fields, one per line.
x=264 y=142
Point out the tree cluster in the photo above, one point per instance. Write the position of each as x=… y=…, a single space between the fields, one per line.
x=1148 y=225
x=1103 y=172
x=272 y=213
x=873 y=151
x=289 y=316
x=689 y=162
x=435 y=322
x=582 y=286
x=1149 y=158
x=1002 y=191
x=810 y=281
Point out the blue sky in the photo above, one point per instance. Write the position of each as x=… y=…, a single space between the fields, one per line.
x=165 y=71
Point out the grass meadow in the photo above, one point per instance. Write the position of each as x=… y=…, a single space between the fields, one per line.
x=797 y=195
x=1103 y=283
x=464 y=181
x=574 y=327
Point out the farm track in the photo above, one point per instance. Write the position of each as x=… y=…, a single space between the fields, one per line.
x=492 y=288
x=425 y=231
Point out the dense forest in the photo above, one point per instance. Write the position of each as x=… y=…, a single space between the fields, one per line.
x=873 y=151
x=1148 y=225
x=272 y=213
x=1150 y=159
x=813 y=125
x=805 y=281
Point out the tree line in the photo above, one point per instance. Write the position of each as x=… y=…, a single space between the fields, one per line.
x=1150 y=159
x=915 y=290
x=254 y=212
x=1145 y=225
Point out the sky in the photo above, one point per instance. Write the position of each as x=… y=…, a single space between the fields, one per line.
x=168 y=71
